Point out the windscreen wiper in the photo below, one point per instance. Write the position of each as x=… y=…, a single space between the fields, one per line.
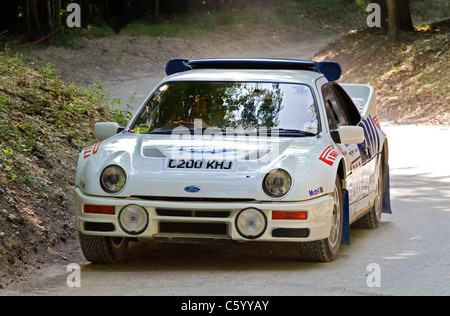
x=192 y=130
x=285 y=132
x=296 y=131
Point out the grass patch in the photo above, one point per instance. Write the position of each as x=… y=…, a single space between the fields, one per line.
x=44 y=123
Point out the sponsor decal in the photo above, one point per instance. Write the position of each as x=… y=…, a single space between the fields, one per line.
x=231 y=91
x=91 y=150
x=329 y=155
x=376 y=122
x=316 y=191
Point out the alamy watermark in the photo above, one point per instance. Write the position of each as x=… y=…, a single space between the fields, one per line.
x=373 y=275
x=74 y=278
x=235 y=144
x=74 y=18
x=374 y=18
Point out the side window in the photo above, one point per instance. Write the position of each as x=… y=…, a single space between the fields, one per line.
x=332 y=119
x=349 y=108
x=336 y=113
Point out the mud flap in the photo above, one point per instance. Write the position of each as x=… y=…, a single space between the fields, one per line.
x=387 y=195
x=346 y=229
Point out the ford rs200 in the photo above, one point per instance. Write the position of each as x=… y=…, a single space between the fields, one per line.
x=237 y=150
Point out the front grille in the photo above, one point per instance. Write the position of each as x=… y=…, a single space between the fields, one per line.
x=216 y=229
x=189 y=213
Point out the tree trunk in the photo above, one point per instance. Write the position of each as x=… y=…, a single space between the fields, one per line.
x=156 y=11
x=399 y=17
x=85 y=12
x=35 y=18
x=57 y=13
x=49 y=16
x=392 y=12
x=404 y=16
x=28 y=19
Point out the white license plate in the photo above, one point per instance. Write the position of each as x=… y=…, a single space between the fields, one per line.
x=212 y=165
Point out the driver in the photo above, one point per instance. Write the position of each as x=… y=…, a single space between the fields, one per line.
x=197 y=113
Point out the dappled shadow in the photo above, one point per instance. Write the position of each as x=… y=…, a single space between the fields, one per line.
x=421 y=192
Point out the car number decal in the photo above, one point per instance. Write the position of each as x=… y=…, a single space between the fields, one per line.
x=213 y=165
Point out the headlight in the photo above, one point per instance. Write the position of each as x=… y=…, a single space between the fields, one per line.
x=113 y=179
x=277 y=183
x=133 y=219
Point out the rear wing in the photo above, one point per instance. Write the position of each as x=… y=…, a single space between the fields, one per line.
x=363 y=96
x=331 y=70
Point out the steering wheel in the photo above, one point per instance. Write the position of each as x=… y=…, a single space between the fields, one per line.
x=182 y=123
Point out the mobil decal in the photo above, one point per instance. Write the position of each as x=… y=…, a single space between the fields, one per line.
x=91 y=150
x=316 y=191
x=329 y=155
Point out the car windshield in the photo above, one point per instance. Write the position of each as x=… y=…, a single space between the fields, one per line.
x=240 y=106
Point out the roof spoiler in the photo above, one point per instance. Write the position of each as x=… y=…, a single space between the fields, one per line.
x=330 y=69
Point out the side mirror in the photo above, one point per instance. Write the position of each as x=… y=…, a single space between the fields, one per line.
x=103 y=131
x=350 y=135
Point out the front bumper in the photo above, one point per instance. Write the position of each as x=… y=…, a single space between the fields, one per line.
x=206 y=221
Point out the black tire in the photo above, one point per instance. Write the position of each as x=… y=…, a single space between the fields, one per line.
x=372 y=219
x=326 y=250
x=103 y=250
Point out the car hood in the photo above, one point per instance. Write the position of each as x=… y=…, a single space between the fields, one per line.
x=161 y=166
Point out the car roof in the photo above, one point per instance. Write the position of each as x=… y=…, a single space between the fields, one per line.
x=251 y=75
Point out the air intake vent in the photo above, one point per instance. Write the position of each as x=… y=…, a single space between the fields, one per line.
x=152 y=152
x=217 y=229
x=188 y=213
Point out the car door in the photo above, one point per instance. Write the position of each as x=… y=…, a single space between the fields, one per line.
x=338 y=115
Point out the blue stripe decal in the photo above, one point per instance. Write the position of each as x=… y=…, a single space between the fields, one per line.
x=377 y=135
x=372 y=138
x=372 y=133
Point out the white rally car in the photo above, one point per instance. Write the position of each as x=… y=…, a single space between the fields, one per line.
x=237 y=150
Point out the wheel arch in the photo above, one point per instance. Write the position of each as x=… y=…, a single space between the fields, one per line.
x=342 y=173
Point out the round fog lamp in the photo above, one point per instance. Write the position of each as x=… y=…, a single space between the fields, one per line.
x=251 y=223
x=133 y=219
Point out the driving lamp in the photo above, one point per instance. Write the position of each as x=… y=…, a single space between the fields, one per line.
x=277 y=183
x=133 y=219
x=113 y=179
x=251 y=223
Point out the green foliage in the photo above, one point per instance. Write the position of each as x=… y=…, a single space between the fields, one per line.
x=43 y=118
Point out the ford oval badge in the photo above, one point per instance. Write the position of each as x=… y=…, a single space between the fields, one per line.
x=192 y=189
